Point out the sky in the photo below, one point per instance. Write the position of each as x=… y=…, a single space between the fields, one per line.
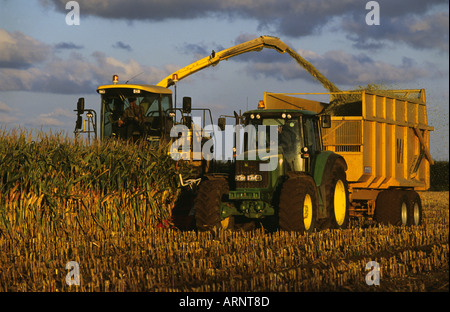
x=46 y=64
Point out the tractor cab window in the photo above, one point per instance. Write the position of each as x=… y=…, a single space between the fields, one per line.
x=311 y=134
x=288 y=139
x=258 y=134
x=287 y=134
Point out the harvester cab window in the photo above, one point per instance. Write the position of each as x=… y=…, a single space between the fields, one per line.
x=165 y=107
x=113 y=110
x=116 y=110
x=152 y=105
x=165 y=103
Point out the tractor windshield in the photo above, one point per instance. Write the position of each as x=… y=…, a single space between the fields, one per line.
x=128 y=114
x=287 y=139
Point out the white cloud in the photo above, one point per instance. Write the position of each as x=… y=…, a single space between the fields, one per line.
x=294 y=18
x=57 y=118
x=77 y=74
x=7 y=119
x=4 y=108
x=21 y=51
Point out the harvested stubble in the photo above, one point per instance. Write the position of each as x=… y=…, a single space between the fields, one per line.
x=171 y=260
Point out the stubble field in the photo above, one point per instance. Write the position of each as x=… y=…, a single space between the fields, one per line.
x=410 y=259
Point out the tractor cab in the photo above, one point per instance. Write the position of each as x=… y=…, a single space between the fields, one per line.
x=295 y=135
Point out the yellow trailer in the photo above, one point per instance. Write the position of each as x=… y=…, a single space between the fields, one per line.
x=384 y=138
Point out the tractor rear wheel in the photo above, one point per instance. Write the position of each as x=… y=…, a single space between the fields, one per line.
x=207 y=205
x=337 y=196
x=298 y=205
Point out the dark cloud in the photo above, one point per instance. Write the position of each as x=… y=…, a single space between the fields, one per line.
x=195 y=49
x=68 y=46
x=344 y=69
x=199 y=50
x=295 y=18
x=123 y=46
x=422 y=32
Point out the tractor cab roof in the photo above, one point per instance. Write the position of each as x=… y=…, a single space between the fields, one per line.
x=279 y=112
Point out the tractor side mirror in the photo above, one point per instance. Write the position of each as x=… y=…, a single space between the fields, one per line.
x=80 y=106
x=221 y=123
x=326 y=121
x=187 y=101
x=188 y=121
x=79 y=122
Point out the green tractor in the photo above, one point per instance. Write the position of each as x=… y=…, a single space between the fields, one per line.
x=305 y=190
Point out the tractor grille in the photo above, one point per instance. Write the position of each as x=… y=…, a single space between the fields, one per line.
x=251 y=167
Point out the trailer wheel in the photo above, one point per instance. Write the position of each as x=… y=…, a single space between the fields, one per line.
x=207 y=205
x=298 y=205
x=337 y=197
x=393 y=207
x=415 y=211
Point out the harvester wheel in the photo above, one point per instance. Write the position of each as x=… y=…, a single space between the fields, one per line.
x=207 y=205
x=337 y=196
x=393 y=207
x=298 y=205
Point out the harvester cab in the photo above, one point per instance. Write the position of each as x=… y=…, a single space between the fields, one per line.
x=130 y=111
x=136 y=112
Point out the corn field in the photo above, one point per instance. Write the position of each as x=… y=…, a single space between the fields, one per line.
x=108 y=208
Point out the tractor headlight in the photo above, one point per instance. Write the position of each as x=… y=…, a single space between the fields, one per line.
x=254 y=177
x=239 y=178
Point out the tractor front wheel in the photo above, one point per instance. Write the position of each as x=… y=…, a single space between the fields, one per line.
x=298 y=205
x=207 y=205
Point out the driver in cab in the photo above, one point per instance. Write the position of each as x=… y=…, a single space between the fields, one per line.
x=132 y=113
x=133 y=116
